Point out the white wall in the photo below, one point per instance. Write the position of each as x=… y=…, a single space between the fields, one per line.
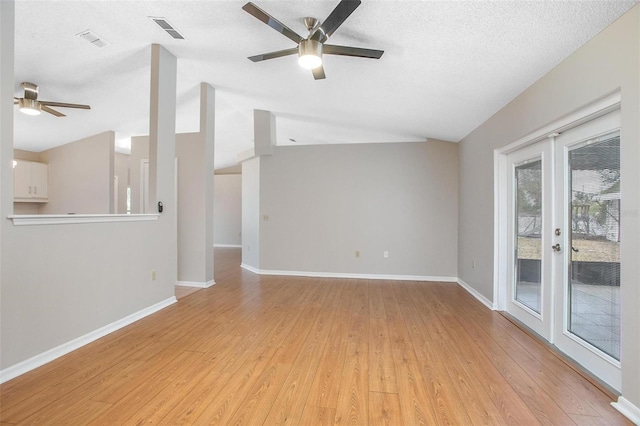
x=81 y=176
x=251 y=212
x=227 y=210
x=608 y=62
x=326 y=202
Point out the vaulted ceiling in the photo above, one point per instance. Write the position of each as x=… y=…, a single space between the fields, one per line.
x=447 y=67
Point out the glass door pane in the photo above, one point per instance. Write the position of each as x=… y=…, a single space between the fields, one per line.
x=528 y=232
x=594 y=273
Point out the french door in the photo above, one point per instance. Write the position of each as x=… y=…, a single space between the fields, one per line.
x=563 y=279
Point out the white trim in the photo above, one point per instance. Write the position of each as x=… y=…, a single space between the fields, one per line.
x=196 y=284
x=48 y=356
x=629 y=410
x=228 y=245
x=250 y=268
x=475 y=293
x=67 y=219
x=500 y=237
x=349 y=275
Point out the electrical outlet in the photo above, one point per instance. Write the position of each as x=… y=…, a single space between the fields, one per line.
x=386 y=254
x=473 y=264
x=265 y=217
x=357 y=253
x=153 y=275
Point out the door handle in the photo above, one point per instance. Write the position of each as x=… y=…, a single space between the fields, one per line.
x=556 y=247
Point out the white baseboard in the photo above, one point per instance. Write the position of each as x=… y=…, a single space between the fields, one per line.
x=196 y=284
x=475 y=293
x=228 y=245
x=488 y=303
x=629 y=410
x=48 y=356
x=250 y=268
x=348 y=275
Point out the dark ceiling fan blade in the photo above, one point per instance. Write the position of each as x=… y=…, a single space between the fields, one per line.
x=272 y=55
x=335 y=19
x=330 y=49
x=51 y=111
x=62 y=104
x=272 y=22
x=318 y=73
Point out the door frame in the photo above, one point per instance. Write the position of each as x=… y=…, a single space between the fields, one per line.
x=502 y=258
x=594 y=110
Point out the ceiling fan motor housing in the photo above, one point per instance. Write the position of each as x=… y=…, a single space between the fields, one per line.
x=30 y=90
x=310 y=50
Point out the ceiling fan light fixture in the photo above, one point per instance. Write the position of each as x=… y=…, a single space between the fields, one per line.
x=29 y=106
x=310 y=54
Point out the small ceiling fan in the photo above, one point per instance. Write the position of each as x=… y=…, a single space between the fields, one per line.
x=29 y=104
x=311 y=49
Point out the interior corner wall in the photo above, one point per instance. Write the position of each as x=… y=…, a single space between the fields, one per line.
x=191 y=197
x=139 y=152
x=319 y=205
x=81 y=176
x=251 y=212
x=227 y=211
x=121 y=169
x=610 y=61
x=190 y=151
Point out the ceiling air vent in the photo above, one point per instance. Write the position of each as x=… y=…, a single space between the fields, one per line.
x=167 y=27
x=93 y=38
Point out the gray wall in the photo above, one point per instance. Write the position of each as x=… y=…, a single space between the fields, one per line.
x=606 y=63
x=324 y=203
x=60 y=282
x=227 y=210
x=81 y=176
x=191 y=204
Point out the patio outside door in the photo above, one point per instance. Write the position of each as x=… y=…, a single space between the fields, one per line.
x=564 y=242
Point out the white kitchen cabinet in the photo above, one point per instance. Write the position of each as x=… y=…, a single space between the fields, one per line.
x=30 y=182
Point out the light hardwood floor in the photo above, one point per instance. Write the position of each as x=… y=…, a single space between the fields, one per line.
x=282 y=350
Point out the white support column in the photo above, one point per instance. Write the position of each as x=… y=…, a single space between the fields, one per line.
x=7 y=23
x=162 y=129
x=162 y=149
x=207 y=132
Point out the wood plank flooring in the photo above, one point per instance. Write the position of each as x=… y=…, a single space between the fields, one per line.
x=269 y=350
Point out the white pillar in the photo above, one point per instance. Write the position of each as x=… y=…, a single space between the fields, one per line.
x=162 y=149
x=207 y=132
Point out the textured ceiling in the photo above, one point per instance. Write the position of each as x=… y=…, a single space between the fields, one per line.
x=447 y=66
